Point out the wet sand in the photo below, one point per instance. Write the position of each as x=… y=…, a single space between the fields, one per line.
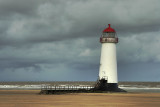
x=31 y=98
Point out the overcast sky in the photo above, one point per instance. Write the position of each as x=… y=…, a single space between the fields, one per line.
x=58 y=40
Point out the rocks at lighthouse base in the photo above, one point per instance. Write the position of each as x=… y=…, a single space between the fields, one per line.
x=103 y=85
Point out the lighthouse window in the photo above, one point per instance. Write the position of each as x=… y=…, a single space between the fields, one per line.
x=111 y=35
x=104 y=35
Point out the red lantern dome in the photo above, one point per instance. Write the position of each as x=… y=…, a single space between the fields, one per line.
x=109 y=29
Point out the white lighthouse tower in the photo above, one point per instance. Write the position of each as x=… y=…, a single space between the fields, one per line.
x=108 y=62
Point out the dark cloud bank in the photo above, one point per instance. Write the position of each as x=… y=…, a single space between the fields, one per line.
x=44 y=40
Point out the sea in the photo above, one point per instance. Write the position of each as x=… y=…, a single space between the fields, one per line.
x=132 y=87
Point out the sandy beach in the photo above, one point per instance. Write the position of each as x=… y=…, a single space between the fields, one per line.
x=31 y=98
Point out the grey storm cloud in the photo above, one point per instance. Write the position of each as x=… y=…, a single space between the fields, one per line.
x=56 y=20
x=63 y=36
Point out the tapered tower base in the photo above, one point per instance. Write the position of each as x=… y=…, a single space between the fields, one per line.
x=103 y=85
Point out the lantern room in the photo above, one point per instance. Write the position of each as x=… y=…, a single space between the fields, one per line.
x=109 y=35
x=109 y=32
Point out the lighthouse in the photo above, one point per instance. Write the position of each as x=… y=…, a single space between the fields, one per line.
x=108 y=80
